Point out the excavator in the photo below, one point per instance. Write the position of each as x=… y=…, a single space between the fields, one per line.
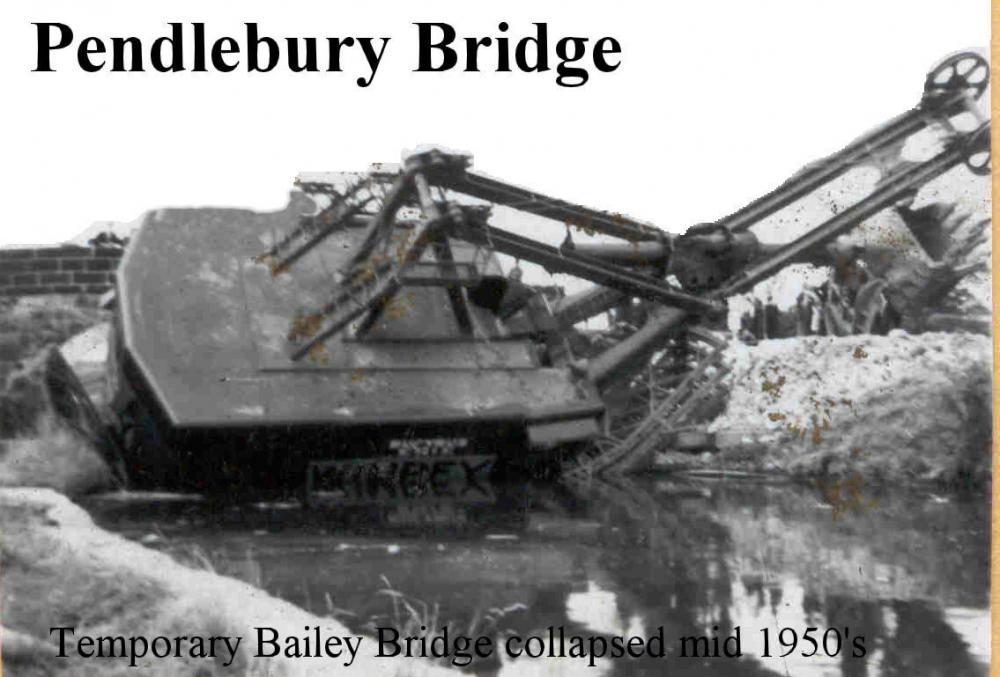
x=366 y=342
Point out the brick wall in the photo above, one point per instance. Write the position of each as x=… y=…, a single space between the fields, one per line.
x=63 y=269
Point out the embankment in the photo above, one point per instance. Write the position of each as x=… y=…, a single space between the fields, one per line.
x=892 y=408
x=37 y=447
x=58 y=567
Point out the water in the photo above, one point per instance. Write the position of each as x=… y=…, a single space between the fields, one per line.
x=905 y=569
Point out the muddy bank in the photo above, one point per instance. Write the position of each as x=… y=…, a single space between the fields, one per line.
x=897 y=407
x=60 y=569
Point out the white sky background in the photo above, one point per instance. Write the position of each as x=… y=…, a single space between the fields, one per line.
x=715 y=103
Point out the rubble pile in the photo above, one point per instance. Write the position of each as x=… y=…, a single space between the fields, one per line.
x=899 y=406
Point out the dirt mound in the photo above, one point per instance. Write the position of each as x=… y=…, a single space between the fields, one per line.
x=892 y=407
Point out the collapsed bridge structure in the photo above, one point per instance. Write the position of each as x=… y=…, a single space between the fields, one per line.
x=377 y=341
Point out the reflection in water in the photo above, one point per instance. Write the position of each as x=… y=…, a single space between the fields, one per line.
x=910 y=575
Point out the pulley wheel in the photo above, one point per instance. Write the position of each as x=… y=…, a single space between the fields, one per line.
x=977 y=152
x=966 y=71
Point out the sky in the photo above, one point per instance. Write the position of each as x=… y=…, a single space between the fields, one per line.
x=713 y=104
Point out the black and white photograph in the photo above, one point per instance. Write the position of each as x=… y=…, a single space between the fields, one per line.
x=498 y=339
